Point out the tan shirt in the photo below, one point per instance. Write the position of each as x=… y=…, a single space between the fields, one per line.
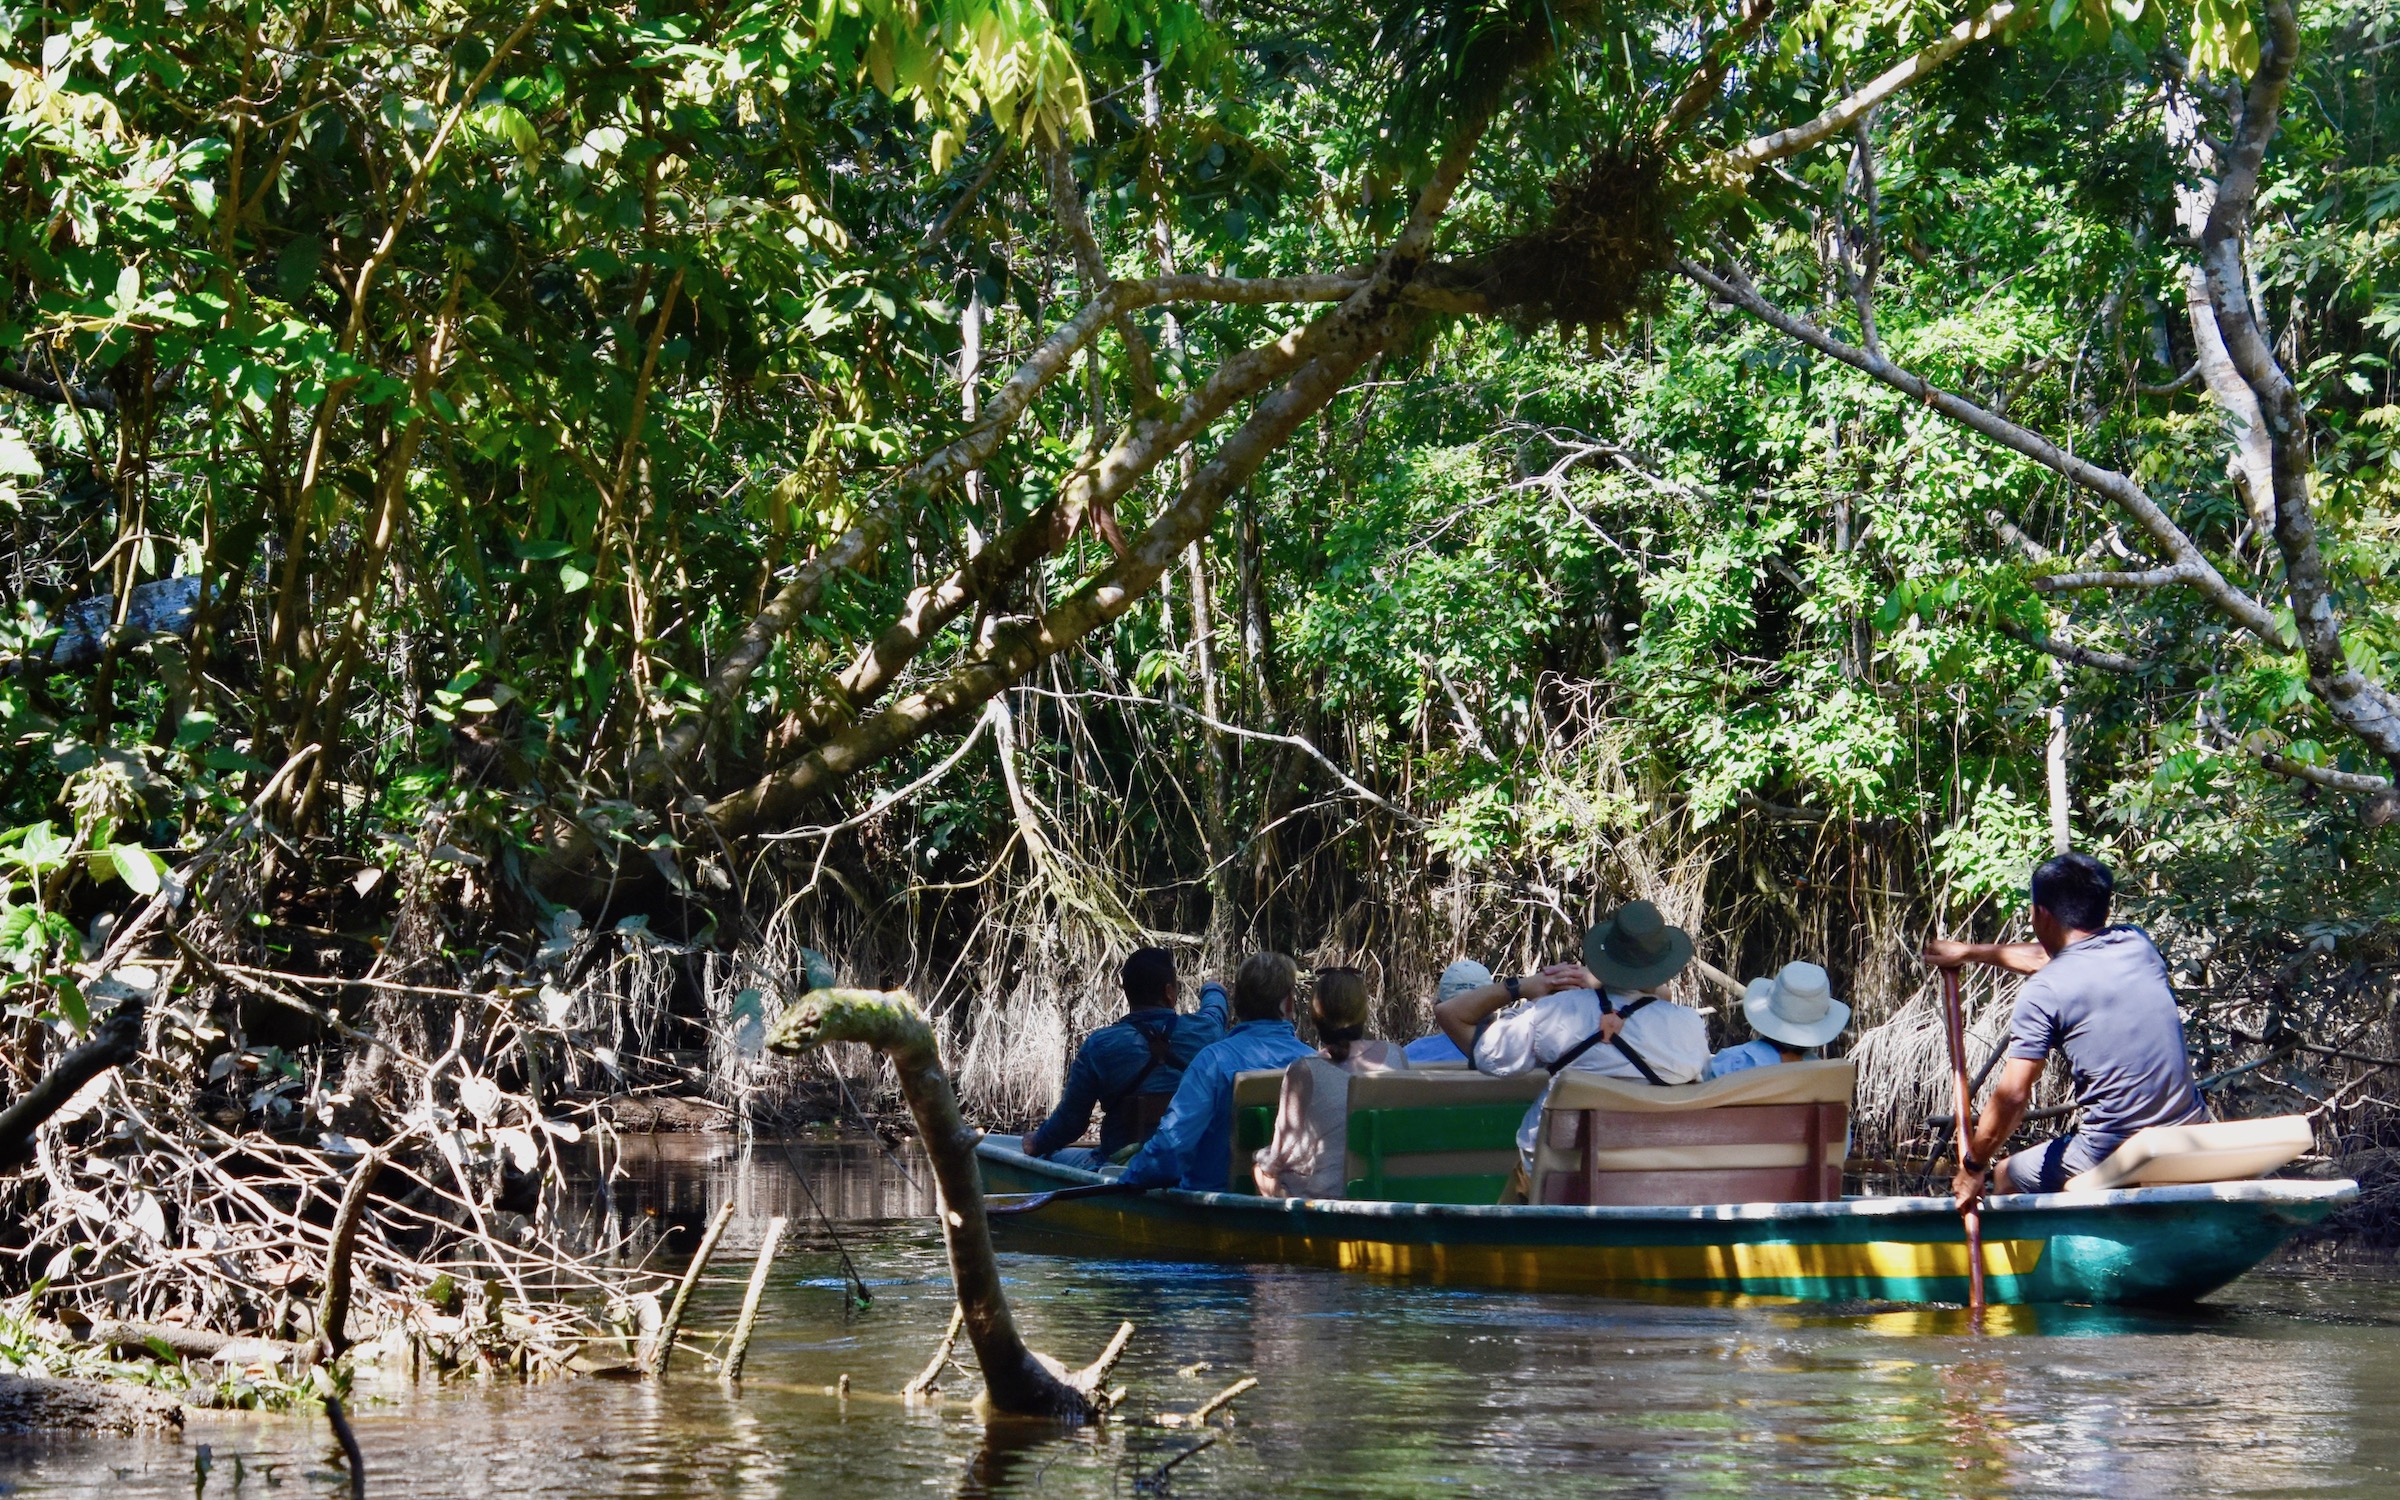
x=1309 y=1154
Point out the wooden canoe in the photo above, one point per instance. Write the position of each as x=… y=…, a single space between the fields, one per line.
x=2132 y=1246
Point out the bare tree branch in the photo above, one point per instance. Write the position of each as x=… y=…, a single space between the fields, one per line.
x=2324 y=776
x=51 y=393
x=1300 y=743
x=1840 y=117
x=2117 y=488
x=2113 y=578
x=2072 y=654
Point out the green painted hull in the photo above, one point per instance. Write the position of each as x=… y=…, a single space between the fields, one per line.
x=2134 y=1247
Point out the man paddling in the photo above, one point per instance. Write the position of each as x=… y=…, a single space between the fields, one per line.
x=2100 y=994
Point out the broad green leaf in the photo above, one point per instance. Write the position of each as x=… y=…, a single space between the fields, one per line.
x=16 y=456
x=137 y=867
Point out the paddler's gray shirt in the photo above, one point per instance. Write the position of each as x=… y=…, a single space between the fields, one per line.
x=2106 y=1002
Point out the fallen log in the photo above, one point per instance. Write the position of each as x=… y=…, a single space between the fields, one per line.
x=197 y=1343
x=1017 y=1381
x=49 y=1403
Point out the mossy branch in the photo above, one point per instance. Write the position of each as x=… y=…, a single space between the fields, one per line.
x=1017 y=1381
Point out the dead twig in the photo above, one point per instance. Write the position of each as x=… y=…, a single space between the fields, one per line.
x=748 y=1322
x=926 y=1378
x=662 y=1347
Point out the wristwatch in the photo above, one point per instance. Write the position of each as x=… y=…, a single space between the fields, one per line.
x=1515 y=990
x=1970 y=1164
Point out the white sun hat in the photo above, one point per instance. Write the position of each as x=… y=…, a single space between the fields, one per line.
x=1796 y=1007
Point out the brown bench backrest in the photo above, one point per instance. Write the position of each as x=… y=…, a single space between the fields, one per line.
x=1765 y=1135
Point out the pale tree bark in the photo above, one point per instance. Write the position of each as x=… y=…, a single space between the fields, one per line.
x=2252 y=466
x=2361 y=705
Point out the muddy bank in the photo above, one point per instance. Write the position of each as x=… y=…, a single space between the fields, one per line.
x=49 y=1403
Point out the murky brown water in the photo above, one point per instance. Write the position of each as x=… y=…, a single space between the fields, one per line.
x=2284 y=1384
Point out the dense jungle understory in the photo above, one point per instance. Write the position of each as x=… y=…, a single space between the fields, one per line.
x=540 y=535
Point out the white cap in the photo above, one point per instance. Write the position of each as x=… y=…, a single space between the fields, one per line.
x=1460 y=977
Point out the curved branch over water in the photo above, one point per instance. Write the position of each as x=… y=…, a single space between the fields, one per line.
x=1017 y=1381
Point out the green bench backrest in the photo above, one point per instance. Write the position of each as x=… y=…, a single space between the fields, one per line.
x=1436 y=1136
x=1439 y=1136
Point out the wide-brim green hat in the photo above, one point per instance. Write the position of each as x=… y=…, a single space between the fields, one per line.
x=1635 y=949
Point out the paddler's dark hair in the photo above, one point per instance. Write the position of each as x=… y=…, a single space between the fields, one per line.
x=1263 y=986
x=2076 y=889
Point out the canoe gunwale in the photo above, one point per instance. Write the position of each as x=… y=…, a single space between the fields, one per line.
x=2311 y=1194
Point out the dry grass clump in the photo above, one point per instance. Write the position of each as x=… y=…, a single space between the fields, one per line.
x=1597 y=262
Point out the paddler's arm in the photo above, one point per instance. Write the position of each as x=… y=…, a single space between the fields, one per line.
x=2002 y=1114
x=1463 y=1012
x=2016 y=958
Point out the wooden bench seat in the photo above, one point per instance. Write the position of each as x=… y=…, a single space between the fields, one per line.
x=1435 y=1137
x=1764 y=1135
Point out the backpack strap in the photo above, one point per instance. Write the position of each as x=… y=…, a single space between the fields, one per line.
x=1640 y=1063
x=1148 y=1109
x=1162 y=1051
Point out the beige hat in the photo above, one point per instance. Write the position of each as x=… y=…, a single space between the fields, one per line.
x=1796 y=1007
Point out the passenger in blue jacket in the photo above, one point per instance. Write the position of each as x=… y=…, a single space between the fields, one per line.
x=1129 y=1069
x=1193 y=1147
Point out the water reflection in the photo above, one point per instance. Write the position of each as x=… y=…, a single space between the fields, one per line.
x=2286 y=1385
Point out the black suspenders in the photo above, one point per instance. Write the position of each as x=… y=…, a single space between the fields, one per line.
x=1641 y=1064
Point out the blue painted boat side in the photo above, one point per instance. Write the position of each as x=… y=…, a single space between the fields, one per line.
x=2143 y=1245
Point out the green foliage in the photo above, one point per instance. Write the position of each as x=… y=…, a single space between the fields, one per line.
x=679 y=293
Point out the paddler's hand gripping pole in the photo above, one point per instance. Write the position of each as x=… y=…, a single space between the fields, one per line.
x=1954 y=1022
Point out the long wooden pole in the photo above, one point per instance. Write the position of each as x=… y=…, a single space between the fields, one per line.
x=1954 y=1021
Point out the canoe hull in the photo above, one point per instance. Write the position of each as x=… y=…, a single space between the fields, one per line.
x=2134 y=1247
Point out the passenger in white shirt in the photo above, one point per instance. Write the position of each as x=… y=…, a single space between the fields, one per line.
x=1603 y=1015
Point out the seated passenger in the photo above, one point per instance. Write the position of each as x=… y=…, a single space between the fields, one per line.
x=1460 y=977
x=1603 y=1014
x=1310 y=1149
x=1794 y=1014
x=1129 y=1069
x=2101 y=995
x=1193 y=1146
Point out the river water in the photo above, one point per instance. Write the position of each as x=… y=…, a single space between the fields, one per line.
x=2287 y=1383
